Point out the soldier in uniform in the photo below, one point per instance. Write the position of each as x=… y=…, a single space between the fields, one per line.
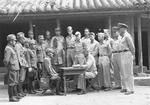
x=49 y=73
x=79 y=49
x=70 y=41
x=91 y=71
x=12 y=64
x=104 y=52
x=86 y=38
x=127 y=55
x=22 y=61
x=31 y=36
x=41 y=47
x=57 y=43
x=48 y=38
x=116 y=57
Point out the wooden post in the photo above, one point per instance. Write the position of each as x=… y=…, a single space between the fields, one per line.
x=140 y=54
x=58 y=23
x=30 y=26
x=109 y=23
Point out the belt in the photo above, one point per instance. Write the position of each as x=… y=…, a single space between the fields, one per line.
x=120 y=51
x=102 y=55
x=70 y=47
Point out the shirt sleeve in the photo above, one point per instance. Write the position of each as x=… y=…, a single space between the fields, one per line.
x=95 y=51
x=130 y=45
x=7 y=56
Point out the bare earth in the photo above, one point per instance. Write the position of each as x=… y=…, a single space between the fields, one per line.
x=141 y=97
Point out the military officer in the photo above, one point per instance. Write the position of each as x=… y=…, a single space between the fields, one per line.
x=22 y=61
x=116 y=57
x=48 y=38
x=31 y=36
x=41 y=47
x=127 y=55
x=86 y=38
x=93 y=47
x=57 y=43
x=104 y=52
x=91 y=71
x=79 y=49
x=70 y=41
x=12 y=64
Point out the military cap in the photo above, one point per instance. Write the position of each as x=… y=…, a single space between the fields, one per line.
x=41 y=37
x=122 y=25
x=115 y=28
x=77 y=33
x=11 y=37
x=69 y=28
x=49 y=50
x=57 y=29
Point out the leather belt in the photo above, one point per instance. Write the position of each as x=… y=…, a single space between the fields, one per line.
x=120 y=51
x=70 y=47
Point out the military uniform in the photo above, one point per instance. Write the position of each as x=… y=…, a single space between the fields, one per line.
x=79 y=56
x=90 y=72
x=117 y=61
x=128 y=50
x=93 y=50
x=104 y=65
x=70 y=44
x=12 y=64
x=87 y=41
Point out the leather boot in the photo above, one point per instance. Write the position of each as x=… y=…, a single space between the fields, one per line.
x=12 y=98
x=16 y=93
x=20 y=90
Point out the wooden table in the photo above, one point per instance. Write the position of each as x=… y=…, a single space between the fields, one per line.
x=66 y=71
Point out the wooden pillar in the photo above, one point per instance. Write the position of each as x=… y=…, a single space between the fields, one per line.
x=58 y=23
x=30 y=26
x=110 y=25
x=140 y=54
x=149 y=46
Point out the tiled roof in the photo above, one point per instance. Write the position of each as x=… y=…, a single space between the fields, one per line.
x=34 y=6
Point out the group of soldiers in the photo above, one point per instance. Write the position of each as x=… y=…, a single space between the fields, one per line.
x=35 y=65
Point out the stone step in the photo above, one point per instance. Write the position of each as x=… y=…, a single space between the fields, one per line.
x=142 y=81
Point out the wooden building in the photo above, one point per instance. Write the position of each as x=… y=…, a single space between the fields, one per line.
x=42 y=15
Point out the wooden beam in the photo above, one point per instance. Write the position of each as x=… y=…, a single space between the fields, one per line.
x=109 y=23
x=140 y=53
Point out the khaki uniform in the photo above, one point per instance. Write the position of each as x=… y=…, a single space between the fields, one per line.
x=12 y=64
x=93 y=50
x=104 y=65
x=87 y=41
x=48 y=43
x=22 y=60
x=128 y=49
x=79 y=56
x=91 y=71
x=117 y=61
x=70 y=44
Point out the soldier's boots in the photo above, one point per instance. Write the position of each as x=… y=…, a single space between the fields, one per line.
x=16 y=93
x=12 y=97
x=20 y=91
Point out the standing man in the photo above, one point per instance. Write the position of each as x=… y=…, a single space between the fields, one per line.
x=31 y=36
x=22 y=61
x=70 y=43
x=116 y=57
x=127 y=54
x=86 y=38
x=41 y=47
x=57 y=43
x=104 y=52
x=12 y=64
x=79 y=49
x=48 y=38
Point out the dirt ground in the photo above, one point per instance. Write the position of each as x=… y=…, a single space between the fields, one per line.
x=141 y=97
